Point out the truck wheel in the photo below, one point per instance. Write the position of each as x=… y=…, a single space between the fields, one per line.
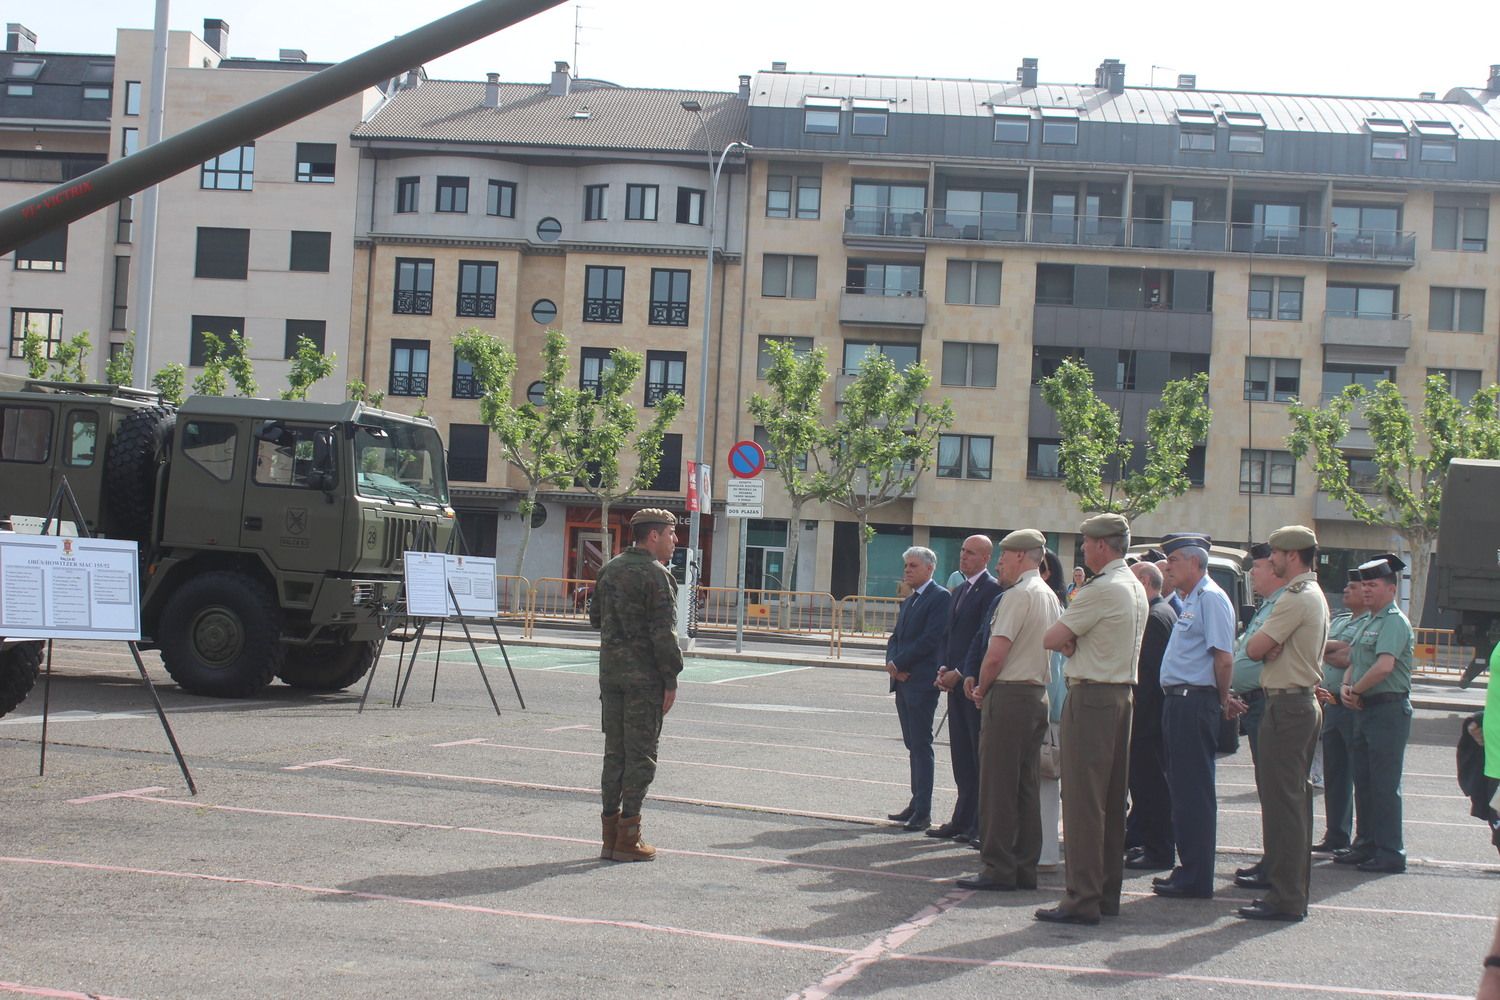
x=130 y=465
x=220 y=635
x=19 y=666
x=327 y=668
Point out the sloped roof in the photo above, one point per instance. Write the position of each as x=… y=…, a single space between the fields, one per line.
x=57 y=90
x=618 y=118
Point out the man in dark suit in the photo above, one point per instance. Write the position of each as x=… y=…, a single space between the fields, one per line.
x=1148 y=827
x=912 y=655
x=971 y=599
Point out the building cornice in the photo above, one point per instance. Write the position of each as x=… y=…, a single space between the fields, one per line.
x=559 y=249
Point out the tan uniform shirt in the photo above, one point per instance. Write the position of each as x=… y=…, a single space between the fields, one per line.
x=1108 y=615
x=1023 y=617
x=1299 y=624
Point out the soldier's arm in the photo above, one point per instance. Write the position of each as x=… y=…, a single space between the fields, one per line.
x=663 y=631
x=1384 y=664
x=1336 y=652
x=1279 y=625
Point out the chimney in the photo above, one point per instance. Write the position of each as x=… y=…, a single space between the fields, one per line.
x=778 y=67
x=292 y=55
x=744 y=87
x=216 y=34
x=19 y=38
x=1494 y=84
x=1110 y=76
x=413 y=78
x=1187 y=81
x=492 y=90
x=1026 y=74
x=1427 y=95
x=562 y=79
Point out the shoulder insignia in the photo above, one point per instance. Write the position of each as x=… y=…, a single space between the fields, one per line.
x=1297 y=588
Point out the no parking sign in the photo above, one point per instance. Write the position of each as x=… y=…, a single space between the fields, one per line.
x=747 y=460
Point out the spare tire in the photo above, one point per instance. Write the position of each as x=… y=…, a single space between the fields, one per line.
x=19 y=665
x=135 y=453
x=326 y=667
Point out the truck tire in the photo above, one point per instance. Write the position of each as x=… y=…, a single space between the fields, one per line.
x=220 y=635
x=130 y=465
x=327 y=668
x=19 y=666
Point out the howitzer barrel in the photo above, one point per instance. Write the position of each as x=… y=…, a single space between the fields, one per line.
x=95 y=190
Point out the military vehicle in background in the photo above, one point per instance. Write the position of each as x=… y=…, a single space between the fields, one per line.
x=1468 y=557
x=1226 y=567
x=271 y=532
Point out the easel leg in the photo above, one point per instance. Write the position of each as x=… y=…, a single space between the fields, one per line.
x=501 y=643
x=162 y=715
x=46 y=701
x=436 y=666
x=399 y=696
x=480 y=664
x=374 y=665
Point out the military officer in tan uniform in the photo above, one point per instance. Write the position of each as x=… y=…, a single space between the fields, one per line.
x=1100 y=633
x=1290 y=643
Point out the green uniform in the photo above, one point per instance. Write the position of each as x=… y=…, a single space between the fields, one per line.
x=1245 y=681
x=1338 y=735
x=634 y=608
x=1381 y=731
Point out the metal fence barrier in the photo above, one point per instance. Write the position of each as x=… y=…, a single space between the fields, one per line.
x=769 y=612
x=1438 y=654
x=558 y=599
x=513 y=598
x=862 y=617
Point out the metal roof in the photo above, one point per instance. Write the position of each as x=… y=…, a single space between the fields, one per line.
x=1142 y=105
x=618 y=118
x=57 y=89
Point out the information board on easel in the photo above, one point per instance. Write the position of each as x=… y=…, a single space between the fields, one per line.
x=444 y=585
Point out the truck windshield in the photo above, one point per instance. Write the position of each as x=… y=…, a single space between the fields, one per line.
x=399 y=461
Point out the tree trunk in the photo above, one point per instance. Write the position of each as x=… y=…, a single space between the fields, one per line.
x=793 y=539
x=609 y=536
x=1420 y=546
x=864 y=565
x=528 y=508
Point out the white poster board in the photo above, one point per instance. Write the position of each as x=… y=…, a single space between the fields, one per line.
x=69 y=588
x=429 y=575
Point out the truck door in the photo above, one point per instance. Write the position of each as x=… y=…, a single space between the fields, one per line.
x=293 y=510
x=28 y=448
x=80 y=458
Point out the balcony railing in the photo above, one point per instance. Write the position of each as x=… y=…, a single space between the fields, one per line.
x=988 y=227
x=1373 y=244
x=669 y=313
x=1077 y=230
x=656 y=390
x=408 y=383
x=413 y=303
x=466 y=387
x=476 y=304
x=1156 y=234
x=603 y=310
x=872 y=220
x=1367 y=329
x=883 y=306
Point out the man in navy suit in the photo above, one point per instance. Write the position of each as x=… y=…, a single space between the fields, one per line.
x=913 y=653
x=971 y=599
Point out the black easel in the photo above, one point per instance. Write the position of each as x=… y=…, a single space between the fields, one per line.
x=65 y=492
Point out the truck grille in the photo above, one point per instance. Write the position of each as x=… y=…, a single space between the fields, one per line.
x=407 y=534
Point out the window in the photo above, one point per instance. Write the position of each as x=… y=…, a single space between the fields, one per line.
x=476 y=288
x=869 y=117
x=125 y=220
x=452 y=194
x=1362 y=301
x=880 y=209
x=1457 y=309
x=1278 y=379
x=1246 y=131
x=1045 y=361
x=210 y=446
x=27 y=69
x=1462 y=382
x=315 y=330
x=1254 y=478
x=1337 y=376
x=130 y=140
x=97 y=93
x=1196 y=140
x=792 y=188
x=895 y=280
x=413 y=287
x=789 y=276
x=665 y=373
x=801 y=347
x=222 y=253
x=1364 y=474
x=231 y=171
x=973 y=283
x=223 y=327
x=468 y=453
x=903 y=356
x=46 y=323
x=48 y=252
x=543 y=311
x=465 y=385
x=1098 y=287
x=593 y=363
x=315 y=161
x=548 y=230
x=310 y=251
x=1388 y=149
x=299 y=458
x=669 y=472
x=594 y=202
x=760 y=436
x=1434 y=151
x=690 y=206
x=1275 y=297
x=132 y=96
x=603 y=294
x=970 y=364
x=1059 y=127
x=640 y=202
x=1012 y=124
x=406 y=193
x=501 y=200
x=1437 y=141
x=820 y=115
x=20 y=90
x=25 y=434
x=121 y=299
x=669 y=297
x=1366 y=230
x=409 y=365
x=964 y=456
x=1461 y=227
x=1042 y=458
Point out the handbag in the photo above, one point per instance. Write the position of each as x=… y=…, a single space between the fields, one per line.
x=1051 y=757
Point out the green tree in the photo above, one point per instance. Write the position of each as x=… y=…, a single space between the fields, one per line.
x=224 y=362
x=1092 y=447
x=1411 y=456
x=170 y=381
x=71 y=357
x=880 y=445
x=532 y=438
x=792 y=415
x=120 y=368
x=309 y=365
x=601 y=426
x=360 y=393
x=34 y=350
x=237 y=363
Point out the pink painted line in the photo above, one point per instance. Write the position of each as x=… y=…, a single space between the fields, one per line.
x=849 y=969
x=44 y=991
x=115 y=795
x=317 y=763
x=432 y=904
x=563 y=729
x=459 y=743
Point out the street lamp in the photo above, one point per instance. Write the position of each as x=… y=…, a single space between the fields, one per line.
x=715 y=168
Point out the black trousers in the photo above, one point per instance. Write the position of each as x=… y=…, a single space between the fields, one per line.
x=1149 y=825
x=1190 y=723
x=963 y=750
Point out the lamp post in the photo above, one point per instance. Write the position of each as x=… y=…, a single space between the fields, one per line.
x=715 y=168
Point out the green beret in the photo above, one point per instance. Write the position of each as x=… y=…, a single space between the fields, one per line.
x=1293 y=538
x=1105 y=526
x=1023 y=540
x=653 y=515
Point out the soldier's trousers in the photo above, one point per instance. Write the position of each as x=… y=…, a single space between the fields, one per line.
x=1338 y=778
x=632 y=727
x=1289 y=732
x=1377 y=755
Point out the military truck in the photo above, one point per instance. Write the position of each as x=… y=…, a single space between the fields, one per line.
x=1226 y=566
x=1468 y=556
x=271 y=532
x=20 y=662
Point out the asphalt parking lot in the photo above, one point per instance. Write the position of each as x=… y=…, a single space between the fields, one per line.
x=436 y=850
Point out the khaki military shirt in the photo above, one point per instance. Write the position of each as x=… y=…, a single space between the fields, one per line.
x=1299 y=624
x=1028 y=611
x=635 y=610
x=1108 y=615
x=1386 y=631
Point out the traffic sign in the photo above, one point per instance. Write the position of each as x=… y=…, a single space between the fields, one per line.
x=745 y=498
x=747 y=459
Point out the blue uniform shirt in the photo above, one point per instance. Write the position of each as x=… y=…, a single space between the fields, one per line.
x=1205 y=624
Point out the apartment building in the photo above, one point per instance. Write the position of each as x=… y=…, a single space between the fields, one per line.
x=1286 y=245
x=572 y=204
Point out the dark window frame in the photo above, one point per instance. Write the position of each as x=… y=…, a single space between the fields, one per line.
x=315 y=246
x=414 y=300
x=465 y=385
x=410 y=381
x=473 y=465
x=215 y=169
x=966 y=468
x=222 y=327
x=20 y=323
x=499 y=195
x=1270 y=460
x=635 y=202
x=602 y=359
x=674 y=308
x=315 y=330
x=408 y=195
x=1270 y=389
x=228 y=259
x=452 y=195
x=603 y=308
x=656 y=388
x=596 y=203
x=312 y=170
x=477 y=302
x=687 y=198
x=47 y=252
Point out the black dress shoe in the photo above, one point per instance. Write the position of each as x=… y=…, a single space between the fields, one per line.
x=965 y=835
x=974 y=844
x=942 y=832
x=986 y=884
x=1325 y=846
x=1134 y=852
x=1178 y=892
x=917 y=823
x=1166 y=879
x=1382 y=867
x=1252 y=882
x=903 y=815
x=1146 y=863
x=1260 y=910
x=1353 y=856
x=1058 y=915
x=1259 y=868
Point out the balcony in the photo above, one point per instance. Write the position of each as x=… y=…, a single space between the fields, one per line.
x=1391 y=331
x=870 y=220
x=1325 y=508
x=1077 y=230
x=1157 y=234
x=883 y=307
x=1055 y=323
x=986 y=227
x=1383 y=246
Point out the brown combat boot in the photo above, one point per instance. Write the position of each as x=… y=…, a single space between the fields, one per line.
x=628 y=843
x=611 y=825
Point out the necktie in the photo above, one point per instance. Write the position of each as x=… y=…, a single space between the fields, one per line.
x=958 y=597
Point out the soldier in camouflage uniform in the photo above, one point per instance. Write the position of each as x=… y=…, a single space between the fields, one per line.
x=634 y=608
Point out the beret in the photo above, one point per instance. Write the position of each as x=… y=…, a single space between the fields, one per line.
x=1293 y=538
x=1184 y=540
x=653 y=515
x=1105 y=526
x=1023 y=540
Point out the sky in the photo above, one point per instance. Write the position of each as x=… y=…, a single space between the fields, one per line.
x=1273 y=45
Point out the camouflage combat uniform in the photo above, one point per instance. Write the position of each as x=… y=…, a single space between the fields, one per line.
x=634 y=608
